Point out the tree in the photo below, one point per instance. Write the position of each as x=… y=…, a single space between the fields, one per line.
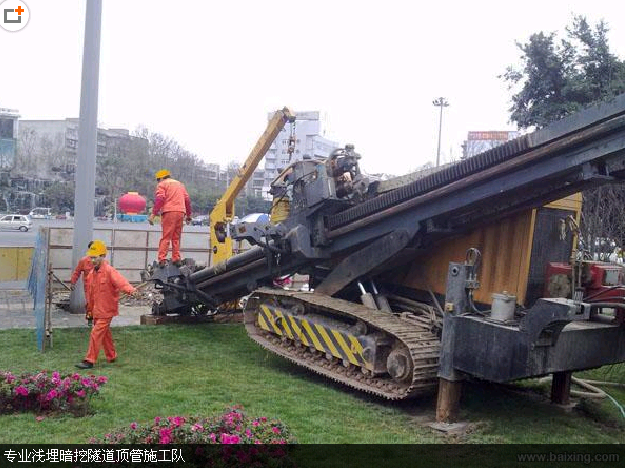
x=558 y=78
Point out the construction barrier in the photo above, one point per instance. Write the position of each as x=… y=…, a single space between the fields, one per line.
x=15 y=263
x=130 y=250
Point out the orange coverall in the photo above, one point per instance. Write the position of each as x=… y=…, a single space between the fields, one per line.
x=171 y=198
x=105 y=283
x=84 y=266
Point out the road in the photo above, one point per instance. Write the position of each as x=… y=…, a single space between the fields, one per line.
x=27 y=239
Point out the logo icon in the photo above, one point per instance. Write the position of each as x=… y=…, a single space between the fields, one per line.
x=14 y=15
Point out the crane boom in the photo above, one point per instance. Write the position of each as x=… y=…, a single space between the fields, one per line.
x=223 y=212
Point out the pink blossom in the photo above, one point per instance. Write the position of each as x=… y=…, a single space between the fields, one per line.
x=133 y=426
x=51 y=394
x=248 y=433
x=263 y=419
x=276 y=430
x=229 y=439
x=81 y=393
x=197 y=427
x=177 y=421
x=157 y=420
x=165 y=436
x=56 y=375
x=40 y=418
x=21 y=390
x=255 y=423
x=102 y=379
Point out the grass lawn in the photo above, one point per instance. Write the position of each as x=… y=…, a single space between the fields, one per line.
x=185 y=370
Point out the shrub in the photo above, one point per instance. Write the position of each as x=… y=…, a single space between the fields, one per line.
x=48 y=392
x=232 y=427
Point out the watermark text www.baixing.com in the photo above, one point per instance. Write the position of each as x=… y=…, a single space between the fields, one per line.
x=563 y=457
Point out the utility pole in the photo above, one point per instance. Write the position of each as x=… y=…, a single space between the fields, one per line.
x=87 y=141
x=440 y=102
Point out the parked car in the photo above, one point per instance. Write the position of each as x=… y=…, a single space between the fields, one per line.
x=41 y=213
x=202 y=220
x=15 y=221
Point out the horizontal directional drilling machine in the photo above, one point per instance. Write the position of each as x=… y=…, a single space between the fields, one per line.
x=423 y=280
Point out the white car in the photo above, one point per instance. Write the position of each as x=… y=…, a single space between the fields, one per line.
x=13 y=221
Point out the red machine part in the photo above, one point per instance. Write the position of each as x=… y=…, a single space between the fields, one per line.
x=602 y=282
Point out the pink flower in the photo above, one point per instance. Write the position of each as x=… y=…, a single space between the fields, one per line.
x=102 y=379
x=40 y=418
x=157 y=420
x=56 y=375
x=177 y=421
x=197 y=427
x=81 y=393
x=248 y=433
x=255 y=423
x=276 y=430
x=21 y=390
x=229 y=439
x=133 y=426
x=263 y=419
x=51 y=394
x=165 y=436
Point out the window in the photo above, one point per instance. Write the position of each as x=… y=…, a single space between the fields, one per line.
x=6 y=128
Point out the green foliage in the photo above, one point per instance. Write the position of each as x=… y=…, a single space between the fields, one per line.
x=560 y=77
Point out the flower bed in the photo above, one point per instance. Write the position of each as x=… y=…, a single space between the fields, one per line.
x=232 y=427
x=46 y=392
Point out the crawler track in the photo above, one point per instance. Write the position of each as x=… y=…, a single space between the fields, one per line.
x=294 y=317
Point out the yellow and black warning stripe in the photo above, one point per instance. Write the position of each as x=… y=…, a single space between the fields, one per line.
x=318 y=336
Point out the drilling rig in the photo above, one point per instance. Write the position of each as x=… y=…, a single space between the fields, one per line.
x=423 y=280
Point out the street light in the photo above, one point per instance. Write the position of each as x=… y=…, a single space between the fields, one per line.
x=440 y=102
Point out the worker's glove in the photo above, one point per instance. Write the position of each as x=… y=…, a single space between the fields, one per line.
x=188 y=220
x=151 y=220
x=72 y=287
x=89 y=318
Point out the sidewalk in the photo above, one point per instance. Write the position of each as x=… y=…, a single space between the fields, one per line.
x=16 y=311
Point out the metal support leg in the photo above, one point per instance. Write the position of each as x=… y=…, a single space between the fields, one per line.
x=448 y=401
x=561 y=388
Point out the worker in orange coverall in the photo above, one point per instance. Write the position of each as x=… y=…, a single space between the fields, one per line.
x=105 y=283
x=172 y=200
x=84 y=267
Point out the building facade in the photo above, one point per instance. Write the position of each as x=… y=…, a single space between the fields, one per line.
x=8 y=142
x=309 y=142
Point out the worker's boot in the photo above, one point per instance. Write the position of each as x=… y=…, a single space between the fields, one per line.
x=177 y=263
x=162 y=263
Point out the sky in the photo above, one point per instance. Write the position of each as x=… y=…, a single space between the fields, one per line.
x=208 y=72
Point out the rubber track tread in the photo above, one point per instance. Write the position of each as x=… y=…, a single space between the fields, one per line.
x=424 y=347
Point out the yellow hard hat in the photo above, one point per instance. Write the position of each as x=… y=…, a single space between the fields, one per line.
x=96 y=248
x=162 y=173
